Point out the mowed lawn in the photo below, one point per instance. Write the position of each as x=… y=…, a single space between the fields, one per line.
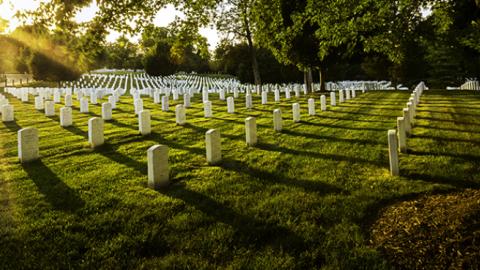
x=302 y=198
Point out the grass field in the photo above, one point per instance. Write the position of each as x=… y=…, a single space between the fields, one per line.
x=303 y=198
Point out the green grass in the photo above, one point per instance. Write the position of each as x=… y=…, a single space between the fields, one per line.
x=303 y=198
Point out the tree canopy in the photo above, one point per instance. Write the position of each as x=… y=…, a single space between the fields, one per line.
x=406 y=40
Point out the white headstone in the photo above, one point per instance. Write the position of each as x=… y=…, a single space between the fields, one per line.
x=323 y=103
x=79 y=95
x=180 y=115
x=158 y=171
x=264 y=97
x=402 y=135
x=68 y=100
x=230 y=105
x=49 y=108
x=39 y=103
x=406 y=117
x=354 y=95
x=165 y=106
x=93 y=98
x=95 y=132
x=138 y=104
x=56 y=96
x=251 y=131
x=107 y=111
x=213 y=146
x=28 y=144
x=248 y=101
x=222 y=94
x=277 y=95
x=7 y=113
x=112 y=101
x=347 y=93
x=156 y=97
x=287 y=93
x=186 y=100
x=311 y=106
x=333 y=99
x=235 y=92
x=205 y=95
x=25 y=96
x=277 y=120
x=66 y=116
x=393 y=152
x=84 y=105
x=296 y=112
x=411 y=113
x=297 y=92
x=144 y=122
x=341 y=96
x=207 y=109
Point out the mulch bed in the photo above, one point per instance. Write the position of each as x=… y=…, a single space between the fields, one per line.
x=431 y=232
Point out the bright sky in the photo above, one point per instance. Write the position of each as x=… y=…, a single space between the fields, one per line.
x=164 y=17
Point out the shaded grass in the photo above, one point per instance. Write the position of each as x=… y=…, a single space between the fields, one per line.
x=302 y=198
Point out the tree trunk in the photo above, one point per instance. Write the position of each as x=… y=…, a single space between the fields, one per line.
x=310 y=80
x=307 y=79
x=321 y=73
x=253 y=53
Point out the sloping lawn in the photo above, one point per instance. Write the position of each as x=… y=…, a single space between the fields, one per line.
x=302 y=198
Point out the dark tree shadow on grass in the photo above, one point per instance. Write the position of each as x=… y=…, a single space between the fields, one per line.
x=320 y=188
x=445 y=129
x=456 y=182
x=249 y=231
x=56 y=192
x=447 y=139
x=355 y=159
x=344 y=127
x=330 y=138
x=447 y=120
x=354 y=106
x=467 y=157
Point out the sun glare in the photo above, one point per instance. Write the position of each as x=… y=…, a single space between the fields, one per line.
x=164 y=17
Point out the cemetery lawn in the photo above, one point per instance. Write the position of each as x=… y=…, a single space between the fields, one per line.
x=303 y=198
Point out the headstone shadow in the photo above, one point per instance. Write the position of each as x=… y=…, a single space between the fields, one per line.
x=56 y=192
x=12 y=126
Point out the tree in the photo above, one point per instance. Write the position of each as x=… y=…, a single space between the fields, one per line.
x=234 y=59
x=167 y=52
x=236 y=18
x=122 y=54
x=310 y=34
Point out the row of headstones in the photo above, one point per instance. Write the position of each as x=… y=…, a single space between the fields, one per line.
x=144 y=81
x=66 y=112
x=470 y=85
x=158 y=169
x=158 y=174
x=397 y=139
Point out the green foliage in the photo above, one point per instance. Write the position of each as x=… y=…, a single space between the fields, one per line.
x=122 y=54
x=165 y=56
x=44 y=68
x=235 y=60
x=158 y=62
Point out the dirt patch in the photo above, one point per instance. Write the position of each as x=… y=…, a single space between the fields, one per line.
x=431 y=232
